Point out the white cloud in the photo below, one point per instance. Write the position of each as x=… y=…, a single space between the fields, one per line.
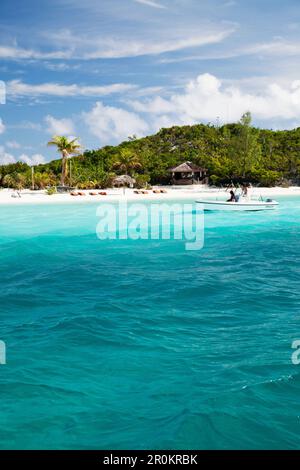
x=60 y=66
x=63 y=126
x=154 y=42
x=28 y=125
x=159 y=43
x=148 y=91
x=18 y=88
x=155 y=105
x=112 y=124
x=35 y=159
x=202 y=100
x=207 y=97
x=17 y=53
x=276 y=47
x=5 y=157
x=12 y=144
x=150 y=3
x=2 y=126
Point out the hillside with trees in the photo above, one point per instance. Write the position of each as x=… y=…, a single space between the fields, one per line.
x=232 y=152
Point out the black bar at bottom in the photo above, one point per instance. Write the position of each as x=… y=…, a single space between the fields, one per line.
x=134 y=459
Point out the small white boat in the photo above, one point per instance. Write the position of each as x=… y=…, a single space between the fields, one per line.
x=241 y=205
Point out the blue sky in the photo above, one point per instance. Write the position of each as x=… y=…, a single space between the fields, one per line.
x=106 y=69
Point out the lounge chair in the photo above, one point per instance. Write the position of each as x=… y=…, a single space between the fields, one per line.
x=156 y=191
x=103 y=193
x=145 y=192
x=81 y=193
x=73 y=193
x=16 y=194
x=136 y=191
x=93 y=193
x=163 y=191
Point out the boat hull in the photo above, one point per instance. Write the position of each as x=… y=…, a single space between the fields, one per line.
x=237 y=206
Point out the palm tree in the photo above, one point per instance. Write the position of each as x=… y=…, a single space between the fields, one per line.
x=42 y=180
x=9 y=181
x=66 y=147
x=127 y=161
x=15 y=180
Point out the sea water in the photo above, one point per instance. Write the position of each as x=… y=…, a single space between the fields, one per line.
x=141 y=344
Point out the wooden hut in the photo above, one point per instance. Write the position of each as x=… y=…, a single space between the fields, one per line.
x=188 y=173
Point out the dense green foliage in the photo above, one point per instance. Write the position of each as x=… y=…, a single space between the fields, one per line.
x=233 y=152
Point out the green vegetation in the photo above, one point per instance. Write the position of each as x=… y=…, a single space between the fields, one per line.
x=52 y=190
x=127 y=161
x=66 y=147
x=233 y=152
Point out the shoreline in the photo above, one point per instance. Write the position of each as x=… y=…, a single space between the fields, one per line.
x=115 y=195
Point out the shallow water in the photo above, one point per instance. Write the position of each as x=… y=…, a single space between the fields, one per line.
x=142 y=344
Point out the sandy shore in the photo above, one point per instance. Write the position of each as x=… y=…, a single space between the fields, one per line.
x=8 y=196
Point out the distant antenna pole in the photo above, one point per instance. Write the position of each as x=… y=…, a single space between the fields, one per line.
x=32 y=178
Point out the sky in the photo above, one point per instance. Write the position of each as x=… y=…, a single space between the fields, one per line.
x=103 y=70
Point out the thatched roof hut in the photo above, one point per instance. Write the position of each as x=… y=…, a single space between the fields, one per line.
x=188 y=173
x=124 y=180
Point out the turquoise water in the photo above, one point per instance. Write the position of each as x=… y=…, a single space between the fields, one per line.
x=141 y=344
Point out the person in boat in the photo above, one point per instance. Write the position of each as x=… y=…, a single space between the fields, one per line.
x=232 y=197
x=245 y=190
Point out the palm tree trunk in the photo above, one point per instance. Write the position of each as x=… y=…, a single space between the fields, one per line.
x=64 y=171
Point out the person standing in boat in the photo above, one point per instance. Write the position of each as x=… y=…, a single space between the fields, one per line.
x=246 y=191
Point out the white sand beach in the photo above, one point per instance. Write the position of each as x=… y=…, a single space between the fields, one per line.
x=26 y=196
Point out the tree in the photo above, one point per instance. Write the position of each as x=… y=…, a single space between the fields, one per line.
x=232 y=152
x=9 y=181
x=42 y=180
x=248 y=148
x=15 y=180
x=127 y=161
x=66 y=147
